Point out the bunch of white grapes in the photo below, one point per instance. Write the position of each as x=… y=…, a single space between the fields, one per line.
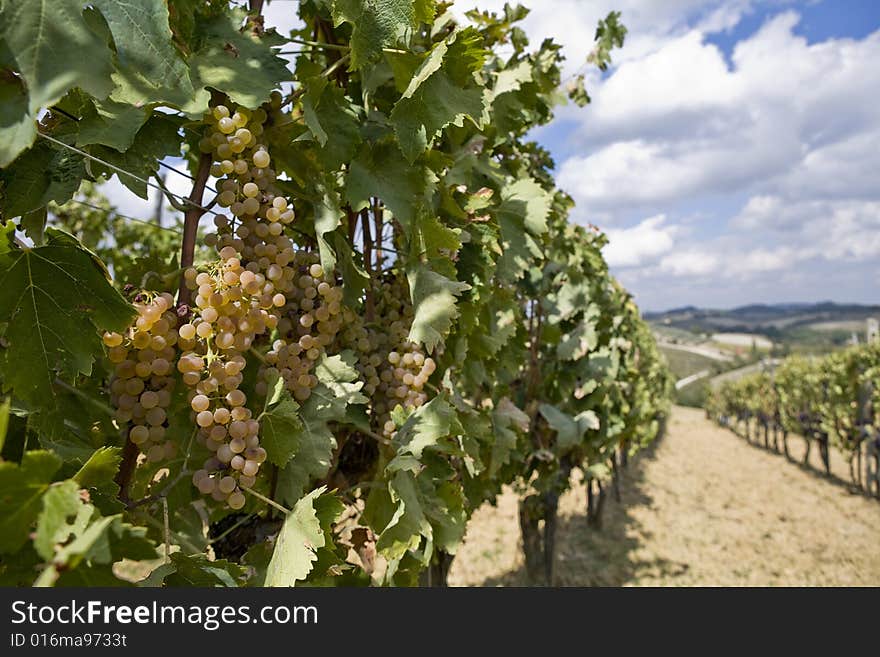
x=260 y=283
x=143 y=381
x=229 y=311
x=309 y=323
x=394 y=370
x=306 y=302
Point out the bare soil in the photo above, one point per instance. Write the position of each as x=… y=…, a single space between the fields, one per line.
x=700 y=508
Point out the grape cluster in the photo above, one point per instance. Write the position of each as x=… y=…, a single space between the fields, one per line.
x=306 y=302
x=143 y=381
x=308 y=325
x=230 y=311
x=394 y=370
x=261 y=282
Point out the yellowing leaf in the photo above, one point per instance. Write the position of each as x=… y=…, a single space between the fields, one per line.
x=299 y=539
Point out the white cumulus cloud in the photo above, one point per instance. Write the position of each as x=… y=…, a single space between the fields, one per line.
x=640 y=244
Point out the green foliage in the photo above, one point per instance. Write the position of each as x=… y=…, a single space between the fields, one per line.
x=442 y=91
x=833 y=395
x=55 y=50
x=55 y=298
x=402 y=149
x=313 y=441
x=22 y=487
x=610 y=34
x=141 y=253
x=241 y=64
x=16 y=121
x=376 y=24
x=148 y=66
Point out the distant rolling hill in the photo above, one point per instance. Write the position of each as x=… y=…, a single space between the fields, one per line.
x=762 y=318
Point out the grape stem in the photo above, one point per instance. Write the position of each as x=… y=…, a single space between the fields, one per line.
x=180 y=538
x=375 y=436
x=167 y=529
x=126 y=470
x=242 y=521
x=260 y=357
x=377 y=219
x=255 y=18
x=86 y=398
x=191 y=225
x=330 y=70
x=370 y=309
x=161 y=495
x=268 y=501
x=320 y=44
x=177 y=205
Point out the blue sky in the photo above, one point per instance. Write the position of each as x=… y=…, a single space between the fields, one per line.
x=826 y=19
x=732 y=152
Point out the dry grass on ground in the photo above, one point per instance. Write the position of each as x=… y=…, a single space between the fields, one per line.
x=701 y=508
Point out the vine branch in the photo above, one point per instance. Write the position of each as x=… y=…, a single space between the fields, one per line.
x=191 y=225
x=370 y=307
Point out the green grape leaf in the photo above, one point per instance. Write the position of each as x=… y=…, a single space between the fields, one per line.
x=100 y=470
x=314 y=441
x=338 y=374
x=297 y=543
x=433 y=298
x=522 y=215
x=313 y=452
x=448 y=516
x=21 y=493
x=423 y=429
x=195 y=570
x=34 y=225
x=381 y=170
x=329 y=563
x=379 y=23
x=40 y=175
x=582 y=339
x=20 y=568
x=149 y=67
x=100 y=542
x=18 y=128
x=334 y=122
x=439 y=244
x=572 y=297
x=569 y=430
x=526 y=199
x=355 y=280
x=78 y=422
x=519 y=248
x=313 y=86
x=110 y=124
x=408 y=523
x=512 y=78
x=157 y=139
x=4 y=420
x=280 y=425
x=327 y=216
x=55 y=298
x=55 y=50
x=441 y=92
x=238 y=63
x=508 y=423
x=63 y=514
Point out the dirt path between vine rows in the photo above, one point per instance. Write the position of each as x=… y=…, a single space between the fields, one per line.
x=702 y=507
